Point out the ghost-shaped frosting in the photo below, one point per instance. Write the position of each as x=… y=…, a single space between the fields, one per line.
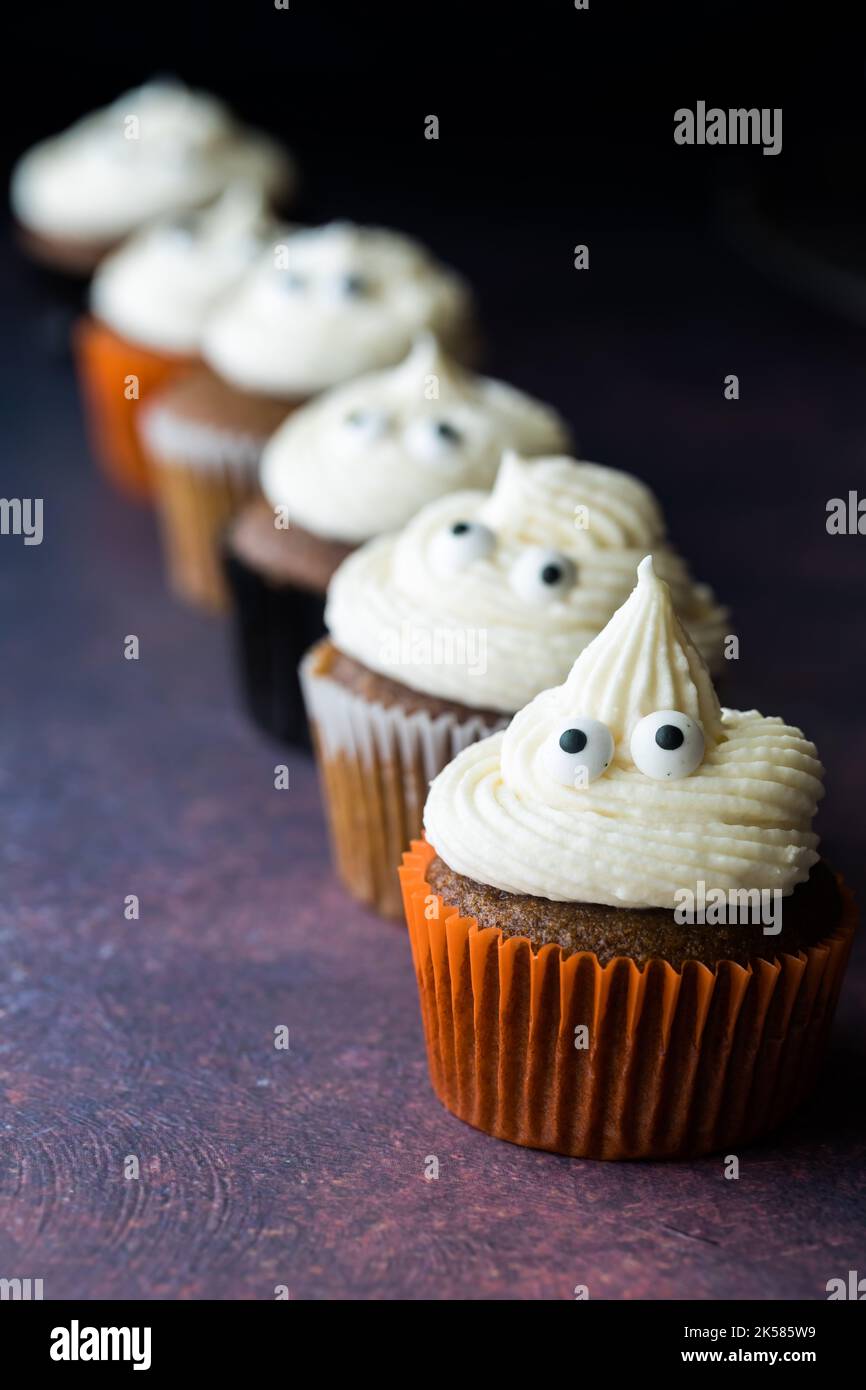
x=523 y=577
x=364 y=457
x=591 y=796
x=160 y=286
x=158 y=150
x=327 y=303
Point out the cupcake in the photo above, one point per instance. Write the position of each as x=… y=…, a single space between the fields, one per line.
x=439 y=633
x=578 y=991
x=157 y=151
x=148 y=304
x=361 y=459
x=322 y=306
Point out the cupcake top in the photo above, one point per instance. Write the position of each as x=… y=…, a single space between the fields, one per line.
x=484 y=598
x=328 y=303
x=628 y=782
x=156 y=150
x=364 y=457
x=158 y=288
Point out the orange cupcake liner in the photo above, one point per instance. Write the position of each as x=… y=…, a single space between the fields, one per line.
x=678 y=1063
x=104 y=361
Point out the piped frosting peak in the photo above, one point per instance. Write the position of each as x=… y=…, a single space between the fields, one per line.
x=627 y=783
x=642 y=661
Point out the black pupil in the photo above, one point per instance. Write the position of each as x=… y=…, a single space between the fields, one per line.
x=669 y=737
x=572 y=741
x=447 y=432
x=185 y=224
x=354 y=284
x=460 y=528
x=551 y=574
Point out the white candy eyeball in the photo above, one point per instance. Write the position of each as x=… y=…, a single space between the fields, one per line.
x=435 y=440
x=458 y=545
x=541 y=576
x=579 y=753
x=667 y=745
x=366 y=426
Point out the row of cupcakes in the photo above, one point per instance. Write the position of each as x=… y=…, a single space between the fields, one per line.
x=564 y=803
x=455 y=593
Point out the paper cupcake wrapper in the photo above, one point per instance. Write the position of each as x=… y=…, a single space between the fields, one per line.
x=275 y=624
x=678 y=1062
x=194 y=508
x=376 y=764
x=104 y=363
x=203 y=474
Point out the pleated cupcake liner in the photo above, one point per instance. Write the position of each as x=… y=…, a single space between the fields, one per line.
x=104 y=362
x=275 y=625
x=375 y=763
x=679 y=1062
x=194 y=508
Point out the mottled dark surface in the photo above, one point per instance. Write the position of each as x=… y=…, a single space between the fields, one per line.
x=155 y=1038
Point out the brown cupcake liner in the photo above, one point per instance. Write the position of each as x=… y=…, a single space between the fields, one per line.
x=104 y=361
x=194 y=507
x=203 y=475
x=679 y=1062
x=375 y=764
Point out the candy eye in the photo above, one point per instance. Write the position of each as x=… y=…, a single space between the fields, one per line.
x=667 y=745
x=434 y=441
x=291 y=281
x=454 y=548
x=353 y=286
x=579 y=753
x=541 y=576
x=363 y=426
x=183 y=228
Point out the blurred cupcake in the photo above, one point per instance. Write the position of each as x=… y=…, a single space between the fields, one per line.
x=361 y=459
x=156 y=151
x=576 y=991
x=148 y=304
x=322 y=306
x=438 y=634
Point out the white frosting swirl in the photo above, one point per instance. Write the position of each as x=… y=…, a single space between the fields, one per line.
x=742 y=819
x=328 y=303
x=95 y=183
x=160 y=286
x=365 y=457
x=390 y=606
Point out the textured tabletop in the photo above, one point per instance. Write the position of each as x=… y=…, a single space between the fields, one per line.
x=155 y=1038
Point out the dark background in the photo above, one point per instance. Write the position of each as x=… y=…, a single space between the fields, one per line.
x=155 y=1038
